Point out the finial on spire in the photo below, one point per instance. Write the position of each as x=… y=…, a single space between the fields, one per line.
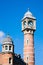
x=8 y=35
x=28 y=9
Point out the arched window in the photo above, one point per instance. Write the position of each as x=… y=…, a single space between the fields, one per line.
x=9 y=47
x=27 y=41
x=6 y=47
x=27 y=59
x=10 y=60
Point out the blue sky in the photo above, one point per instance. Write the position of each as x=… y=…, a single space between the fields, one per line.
x=11 y=13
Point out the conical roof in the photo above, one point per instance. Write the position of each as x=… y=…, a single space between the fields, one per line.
x=28 y=14
x=7 y=39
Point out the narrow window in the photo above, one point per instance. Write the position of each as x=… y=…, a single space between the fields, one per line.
x=9 y=47
x=10 y=60
x=6 y=47
x=27 y=41
x=3 y=46
x=27 y=59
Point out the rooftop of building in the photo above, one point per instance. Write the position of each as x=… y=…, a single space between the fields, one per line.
x=7 y=40
x=28 y=14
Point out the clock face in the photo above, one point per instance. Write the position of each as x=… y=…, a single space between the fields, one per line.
x=30 y=23
x=24 y=24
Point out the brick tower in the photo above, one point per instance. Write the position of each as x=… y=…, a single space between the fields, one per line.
x=7 y=51
x=28 y=27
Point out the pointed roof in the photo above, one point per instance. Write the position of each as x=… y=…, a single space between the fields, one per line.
x=28 y=14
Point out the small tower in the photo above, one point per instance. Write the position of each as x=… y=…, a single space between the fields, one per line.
x=7 y=50
x=28 y=27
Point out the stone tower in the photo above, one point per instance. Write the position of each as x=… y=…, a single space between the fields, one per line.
x=7 y=51
x=28 y=27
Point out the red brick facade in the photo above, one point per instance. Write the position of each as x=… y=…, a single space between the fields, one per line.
x=29 y=49
x=16 y=59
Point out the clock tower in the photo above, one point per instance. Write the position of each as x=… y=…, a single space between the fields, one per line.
x=28 y=27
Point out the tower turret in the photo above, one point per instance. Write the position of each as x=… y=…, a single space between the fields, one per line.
x=7 y=45
x=7 y=51
x=28 y=27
